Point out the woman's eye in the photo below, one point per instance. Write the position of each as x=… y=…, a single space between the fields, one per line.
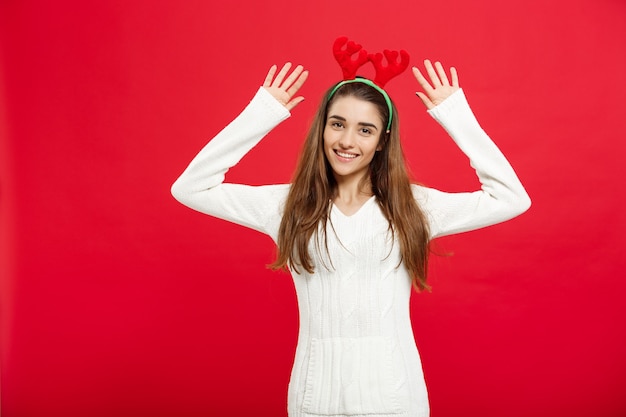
x=337 y=124
x=366 y=131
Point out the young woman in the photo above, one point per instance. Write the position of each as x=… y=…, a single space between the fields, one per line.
x=353 y=231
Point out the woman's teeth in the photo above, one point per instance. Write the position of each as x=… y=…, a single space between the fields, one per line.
x=346 y=155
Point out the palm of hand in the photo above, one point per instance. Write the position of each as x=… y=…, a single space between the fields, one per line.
x=279 y=94
x=440 y=93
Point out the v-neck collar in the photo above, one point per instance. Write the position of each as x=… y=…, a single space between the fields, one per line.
x=366 y=203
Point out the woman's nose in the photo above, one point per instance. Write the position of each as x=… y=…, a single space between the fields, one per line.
x=347 y=139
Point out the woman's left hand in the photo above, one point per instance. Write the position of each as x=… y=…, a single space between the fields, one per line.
x=439 y=88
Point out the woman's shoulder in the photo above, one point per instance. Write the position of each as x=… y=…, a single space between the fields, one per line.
x=430 y=199
x=433 y=199
x=420 y=192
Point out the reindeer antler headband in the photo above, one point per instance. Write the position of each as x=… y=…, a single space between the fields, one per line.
x=384 y=73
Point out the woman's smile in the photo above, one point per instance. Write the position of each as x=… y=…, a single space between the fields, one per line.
x=348 y=157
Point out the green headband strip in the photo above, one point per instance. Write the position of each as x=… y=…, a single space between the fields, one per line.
x=371 y=84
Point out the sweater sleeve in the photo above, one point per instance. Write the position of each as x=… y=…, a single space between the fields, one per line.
x=201 y=186
x=501 y=196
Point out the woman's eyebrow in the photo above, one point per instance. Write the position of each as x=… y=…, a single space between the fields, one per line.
x=343 y=119
x=368 y=125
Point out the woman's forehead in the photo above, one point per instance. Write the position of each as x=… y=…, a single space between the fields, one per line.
x=355 y=110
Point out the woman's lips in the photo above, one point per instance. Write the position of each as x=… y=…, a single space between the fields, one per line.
x=345 y=155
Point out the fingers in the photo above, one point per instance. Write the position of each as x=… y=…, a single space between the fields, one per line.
x=421 y=79
x=434 y=78
x=281 y=75
x=441 y=73
x=270 y=76
x=438 y=76
x=295 y=80
x=455 y=77
x=295 y=74
x=438 y=88
x=284 y=85
x=294 y=102
x=299 y=77
x=270 y=81
x=429 y=104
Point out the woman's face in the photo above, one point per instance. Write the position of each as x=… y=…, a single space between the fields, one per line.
x=351 y=135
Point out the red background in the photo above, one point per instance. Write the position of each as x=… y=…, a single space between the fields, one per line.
x=118 y=301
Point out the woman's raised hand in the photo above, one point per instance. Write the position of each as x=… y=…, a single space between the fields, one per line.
x=439 y=88
x=283 y=89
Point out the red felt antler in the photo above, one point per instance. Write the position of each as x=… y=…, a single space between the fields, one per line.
x=385 y=73
x=344 y=51
x=343 y=56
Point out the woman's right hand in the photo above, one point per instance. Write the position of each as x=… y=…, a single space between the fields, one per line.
x=283 y=89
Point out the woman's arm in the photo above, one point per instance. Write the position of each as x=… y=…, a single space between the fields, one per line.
x=501 y=196
x=201 y=187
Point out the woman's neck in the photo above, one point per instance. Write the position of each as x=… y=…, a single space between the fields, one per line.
x=352 y=191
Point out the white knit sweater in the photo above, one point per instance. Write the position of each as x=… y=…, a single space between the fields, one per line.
x=356 y=355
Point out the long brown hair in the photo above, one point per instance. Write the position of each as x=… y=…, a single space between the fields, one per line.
x=314 y=186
